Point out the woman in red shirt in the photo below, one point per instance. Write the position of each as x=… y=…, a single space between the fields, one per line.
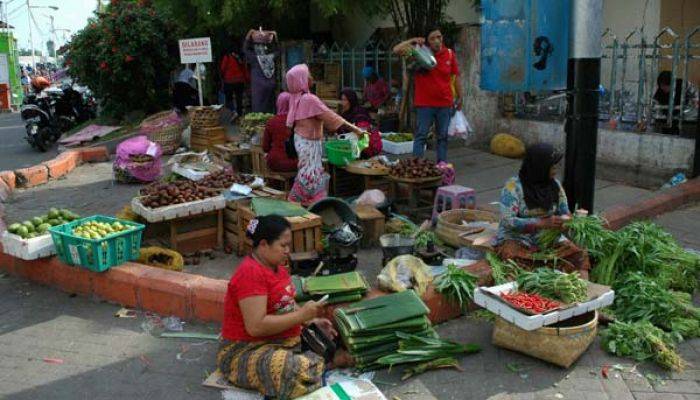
x=262 y=323
x=276 y=134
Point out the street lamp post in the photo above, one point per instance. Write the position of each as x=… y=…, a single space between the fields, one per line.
x=29 y=19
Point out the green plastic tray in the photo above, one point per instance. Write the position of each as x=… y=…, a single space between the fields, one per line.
x=101 y=254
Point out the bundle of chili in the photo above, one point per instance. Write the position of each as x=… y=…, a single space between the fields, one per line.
x=533 y=302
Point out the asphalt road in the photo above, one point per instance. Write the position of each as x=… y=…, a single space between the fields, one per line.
x=15 y=152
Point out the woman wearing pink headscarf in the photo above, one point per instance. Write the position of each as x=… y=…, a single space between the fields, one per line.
x=276 y=134
x=308 y=117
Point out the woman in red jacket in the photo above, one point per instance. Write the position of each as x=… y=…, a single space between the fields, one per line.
x=276 y=134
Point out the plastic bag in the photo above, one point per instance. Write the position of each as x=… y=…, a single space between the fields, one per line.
x=138 y=160
x=448 y=173
x=162 y=258
x=373 y=197
x=405 y=272
x=459 y=126
x=507 y=145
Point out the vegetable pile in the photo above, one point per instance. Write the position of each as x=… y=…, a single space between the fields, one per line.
x=531 y=302
x=502 y=271
x=642 y=341
x=38 y=226
x=457 y=285
x=415 y=168
x=568 y=288
x=399 y=137
x=257 y=117
x=424 y=238
x=163 y=194
x=99 y=230
x=400 y=226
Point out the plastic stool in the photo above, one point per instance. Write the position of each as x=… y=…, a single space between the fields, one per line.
x=453 y=197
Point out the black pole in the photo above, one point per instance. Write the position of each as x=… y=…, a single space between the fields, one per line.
x=583 y=81
x=581 y=131
x=696 y=157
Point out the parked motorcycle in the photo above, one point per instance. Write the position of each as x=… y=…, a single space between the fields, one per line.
x=52 y=112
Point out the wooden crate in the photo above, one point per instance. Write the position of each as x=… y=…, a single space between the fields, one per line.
x=191 y=234
x=231 y=213
x=327 y=90
x=207 y=138
x=373 y=222
x=306 y=232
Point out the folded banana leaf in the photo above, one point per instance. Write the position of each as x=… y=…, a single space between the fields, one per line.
x=338 y=283
x=375 y=314
x=345 y=298
x=263 y=206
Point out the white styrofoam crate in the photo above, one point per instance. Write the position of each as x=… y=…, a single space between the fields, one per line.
x=178 y=210
x=397 y=148
x=28 y=249
x=532 y=322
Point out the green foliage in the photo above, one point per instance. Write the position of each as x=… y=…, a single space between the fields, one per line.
x=457 y=285
x=642 y=341
x=552 y=284
x=502 y=271
x=125 y=56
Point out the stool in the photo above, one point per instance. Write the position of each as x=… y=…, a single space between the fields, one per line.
x=453 y=197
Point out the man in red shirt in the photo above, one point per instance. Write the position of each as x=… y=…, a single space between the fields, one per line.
x=434 y=99
x=234 y=76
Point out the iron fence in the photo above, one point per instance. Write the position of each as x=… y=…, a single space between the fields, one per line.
x=629 y=68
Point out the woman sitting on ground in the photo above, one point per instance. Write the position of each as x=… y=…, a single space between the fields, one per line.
x=275 y=136
x=534 y=202
x=262 y=325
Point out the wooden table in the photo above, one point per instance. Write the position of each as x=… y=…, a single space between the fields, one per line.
x=200 y=232
x=421 y=194
x=372 y=178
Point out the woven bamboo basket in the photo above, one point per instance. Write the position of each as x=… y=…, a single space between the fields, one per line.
x=158 y=130
x=204 y=117
x=450 y=229
x=560 y=344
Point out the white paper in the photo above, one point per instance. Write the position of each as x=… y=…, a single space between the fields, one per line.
x=241 y=189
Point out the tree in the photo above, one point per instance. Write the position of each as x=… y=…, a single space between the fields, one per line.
x=125 y=55
x=28 y=52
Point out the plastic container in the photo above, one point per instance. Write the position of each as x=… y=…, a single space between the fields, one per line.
x=28 y=249
x=394 y=245
x=396 y=147
x=175 y=211
x=339 y=152
x=97 y=255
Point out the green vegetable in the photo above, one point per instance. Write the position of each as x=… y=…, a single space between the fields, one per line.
x=438 y=363
x=457 y=285
x=642 y=341
x=399 y=137
x=568 y=288
x=425 y=237
x=638 y=298
x=418 y=349
x=502 y=271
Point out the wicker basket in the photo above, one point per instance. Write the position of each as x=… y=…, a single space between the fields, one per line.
x=166 y=133
x=561 y=344
x=204 y=117
x=450 y=229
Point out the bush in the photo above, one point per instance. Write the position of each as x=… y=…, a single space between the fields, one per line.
x=125 y=55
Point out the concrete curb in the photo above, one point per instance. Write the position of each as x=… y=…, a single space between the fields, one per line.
x=197 y=297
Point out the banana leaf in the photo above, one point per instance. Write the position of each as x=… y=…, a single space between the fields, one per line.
x=263 y=206
x=375 y=314
x=339 y=283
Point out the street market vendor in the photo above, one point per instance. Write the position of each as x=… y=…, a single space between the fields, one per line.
x=275 y=135
x=534 y=202
x=262 y=324
x=308 y=117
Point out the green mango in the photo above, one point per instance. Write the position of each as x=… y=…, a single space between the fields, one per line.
x=43 y=228
x=53 y=213
x=14 y=228
x=22 y=231
x=37 y=221
x=54 y=222
x=29 y=225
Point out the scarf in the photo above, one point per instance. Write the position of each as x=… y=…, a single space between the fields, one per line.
x=539 y=189
x=356 y=113
x=283 y=103
x=302 y=104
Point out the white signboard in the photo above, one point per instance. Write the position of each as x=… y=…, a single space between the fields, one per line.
x=197 y=50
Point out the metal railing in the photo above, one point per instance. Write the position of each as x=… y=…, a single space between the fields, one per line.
x=629 y=68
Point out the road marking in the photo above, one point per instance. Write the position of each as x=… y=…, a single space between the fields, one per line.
x=12 y=127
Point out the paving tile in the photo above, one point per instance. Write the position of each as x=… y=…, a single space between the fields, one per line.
x=657 y=396
x=676 y=386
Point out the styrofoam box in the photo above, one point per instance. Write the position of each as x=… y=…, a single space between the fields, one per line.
x=532 y=322
x=28 y=249
x=396 y=148
x=178 y=210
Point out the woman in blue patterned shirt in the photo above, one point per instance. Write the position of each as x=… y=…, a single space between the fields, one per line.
x=534 y=202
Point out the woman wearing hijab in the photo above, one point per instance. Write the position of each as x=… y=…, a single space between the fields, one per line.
x=354 y=113
x=276 y=134
x=308 y=117
x=534 y=202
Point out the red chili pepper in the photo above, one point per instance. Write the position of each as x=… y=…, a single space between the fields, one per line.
x=528 y=301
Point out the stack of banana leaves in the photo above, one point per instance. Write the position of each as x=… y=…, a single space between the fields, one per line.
x=369 y=328
x=340 y=288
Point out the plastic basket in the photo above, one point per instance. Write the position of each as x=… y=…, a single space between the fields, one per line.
x=339 y=152
x=101 y=254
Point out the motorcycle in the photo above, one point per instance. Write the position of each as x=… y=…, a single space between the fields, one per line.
x=54 y=111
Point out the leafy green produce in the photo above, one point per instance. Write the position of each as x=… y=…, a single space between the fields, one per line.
x=438 y=363
x=546 y=282
x=638 y=298
x=399 y=137
x=457 y=285
x=425 y=237
x=401 y=226
x=642 y=341
x=502 y=271
x=418 y=349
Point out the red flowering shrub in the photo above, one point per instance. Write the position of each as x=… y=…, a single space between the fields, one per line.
x=125 y=56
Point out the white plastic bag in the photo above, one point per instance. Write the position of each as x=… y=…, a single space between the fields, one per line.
x=459 y=126
x=371 y=197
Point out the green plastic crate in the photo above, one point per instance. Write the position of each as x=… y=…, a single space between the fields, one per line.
x=97 y=255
